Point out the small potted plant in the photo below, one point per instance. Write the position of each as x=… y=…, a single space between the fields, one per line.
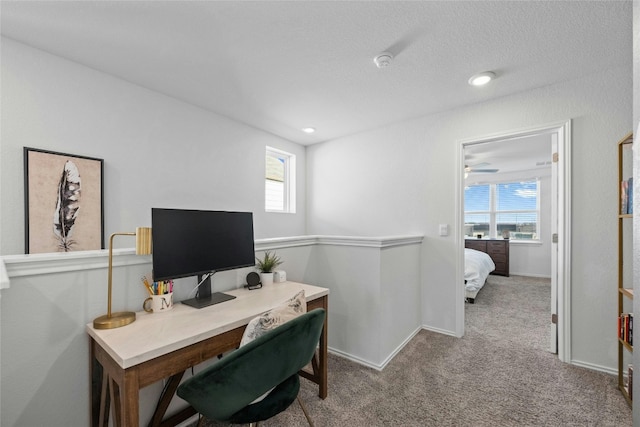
x=267 y=265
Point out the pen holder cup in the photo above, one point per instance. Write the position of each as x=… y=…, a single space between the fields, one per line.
x=158 y=303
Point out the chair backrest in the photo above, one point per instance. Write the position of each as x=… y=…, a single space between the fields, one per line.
x=240 y=377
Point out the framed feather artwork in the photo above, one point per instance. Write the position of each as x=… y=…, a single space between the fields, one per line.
x=64 y=203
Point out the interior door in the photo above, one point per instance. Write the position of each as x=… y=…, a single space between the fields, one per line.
x=559 y=231
x=553 y=345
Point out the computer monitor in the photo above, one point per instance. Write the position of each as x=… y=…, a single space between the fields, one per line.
x=199 y=243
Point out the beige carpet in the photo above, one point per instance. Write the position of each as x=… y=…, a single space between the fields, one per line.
x=498 y=374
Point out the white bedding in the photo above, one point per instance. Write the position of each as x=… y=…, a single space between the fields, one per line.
x=477 y=266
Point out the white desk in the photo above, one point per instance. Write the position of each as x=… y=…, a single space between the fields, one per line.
x=158 y=346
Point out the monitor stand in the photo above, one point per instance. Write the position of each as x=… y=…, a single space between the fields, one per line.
x=204 y=297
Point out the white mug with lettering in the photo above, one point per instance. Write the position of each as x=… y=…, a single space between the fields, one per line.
x=158 y=303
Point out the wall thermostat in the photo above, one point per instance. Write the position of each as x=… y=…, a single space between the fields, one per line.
x=279 y=276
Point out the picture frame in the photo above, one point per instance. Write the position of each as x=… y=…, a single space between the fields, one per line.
x=64 y=202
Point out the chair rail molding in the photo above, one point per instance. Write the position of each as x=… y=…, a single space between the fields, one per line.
x=38 y=264
x=355 y=241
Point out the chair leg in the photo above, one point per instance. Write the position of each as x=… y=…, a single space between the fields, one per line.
x=305 y=412
x=200 y=421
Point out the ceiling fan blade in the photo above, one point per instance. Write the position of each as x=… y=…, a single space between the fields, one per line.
x=479 y=165
x=473 y=170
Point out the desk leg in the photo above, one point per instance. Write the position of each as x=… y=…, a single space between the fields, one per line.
x=165 y=399
x=98 y=390
x=116 y=407
x=103 y=420
x=319 y=361
x=130 y=400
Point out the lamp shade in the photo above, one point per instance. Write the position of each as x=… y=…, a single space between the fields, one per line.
x=143 y=241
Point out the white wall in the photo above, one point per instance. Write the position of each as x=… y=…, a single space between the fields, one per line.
x=374 y=295
x=400 y=292
x=374 y=283
x=402 y=179
x=45 y=349
x=534 y=259
x=157 y=151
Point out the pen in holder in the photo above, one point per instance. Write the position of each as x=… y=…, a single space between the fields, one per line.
x=161 y=296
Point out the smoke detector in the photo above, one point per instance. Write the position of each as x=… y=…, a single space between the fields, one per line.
x=383 y=60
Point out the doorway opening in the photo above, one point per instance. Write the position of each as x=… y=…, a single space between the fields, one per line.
x=505 y=157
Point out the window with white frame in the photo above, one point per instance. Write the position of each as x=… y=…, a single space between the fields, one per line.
x=510 y=210
x=280 y=172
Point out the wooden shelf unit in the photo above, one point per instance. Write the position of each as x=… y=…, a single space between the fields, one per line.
x=625 y=292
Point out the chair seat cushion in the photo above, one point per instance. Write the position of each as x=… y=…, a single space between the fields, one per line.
x=275 y=402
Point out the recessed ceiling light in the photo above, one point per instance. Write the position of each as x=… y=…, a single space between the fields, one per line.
x=308 y=130
x=482 y=79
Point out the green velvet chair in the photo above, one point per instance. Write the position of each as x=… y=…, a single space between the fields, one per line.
x=225 y=391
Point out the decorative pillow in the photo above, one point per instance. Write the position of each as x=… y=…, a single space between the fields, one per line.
x=275 y=317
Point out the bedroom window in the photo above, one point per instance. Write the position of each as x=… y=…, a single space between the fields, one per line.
x=508 y=209
x=279 y=192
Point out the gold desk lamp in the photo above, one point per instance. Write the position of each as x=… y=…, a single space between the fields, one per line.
x=122 y=318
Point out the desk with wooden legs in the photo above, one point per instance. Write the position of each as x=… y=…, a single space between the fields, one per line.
x=158 y=346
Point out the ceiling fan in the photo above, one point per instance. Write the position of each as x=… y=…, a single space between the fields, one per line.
x=479 y=168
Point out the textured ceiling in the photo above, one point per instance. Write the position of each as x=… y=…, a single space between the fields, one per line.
x=517 y=154
x=282 y=66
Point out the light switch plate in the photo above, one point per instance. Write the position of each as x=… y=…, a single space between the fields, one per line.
x=444 y=229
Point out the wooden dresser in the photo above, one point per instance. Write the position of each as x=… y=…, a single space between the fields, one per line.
x=498 y=250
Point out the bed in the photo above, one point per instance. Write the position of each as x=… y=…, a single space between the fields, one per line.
x=477 y=266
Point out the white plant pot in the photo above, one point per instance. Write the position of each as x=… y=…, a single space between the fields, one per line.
x=266 y=279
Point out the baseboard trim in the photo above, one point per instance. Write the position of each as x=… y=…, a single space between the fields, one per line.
x=594 y=367
x=369 y=364
x=440 y=331
x=399 y=348
x=355 y=359
x=540 y=276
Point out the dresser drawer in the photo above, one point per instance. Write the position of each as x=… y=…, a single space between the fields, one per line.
x=499 y=259
x=478 y=245
x=501 y=270
x=496 y=247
